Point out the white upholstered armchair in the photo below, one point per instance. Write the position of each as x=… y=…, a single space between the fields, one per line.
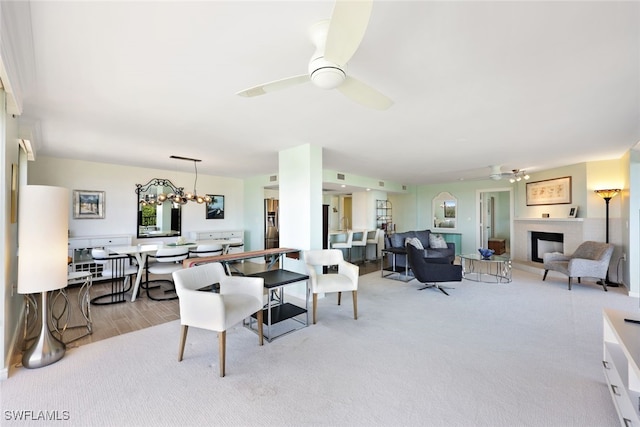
x=239 y=298
x=590 y=259
x=346 y=278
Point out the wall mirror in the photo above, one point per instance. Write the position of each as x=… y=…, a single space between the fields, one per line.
x=158 y=215
x=445 y=211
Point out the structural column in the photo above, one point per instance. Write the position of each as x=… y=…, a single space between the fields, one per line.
x=300 y=193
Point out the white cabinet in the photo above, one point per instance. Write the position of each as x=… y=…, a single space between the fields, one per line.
x=214 y=235
x=621 y=357
x=80 y=251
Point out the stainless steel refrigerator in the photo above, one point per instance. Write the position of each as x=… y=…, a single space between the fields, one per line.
x=271 y=226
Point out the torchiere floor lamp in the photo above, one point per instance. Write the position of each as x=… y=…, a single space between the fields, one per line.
x=607 y=195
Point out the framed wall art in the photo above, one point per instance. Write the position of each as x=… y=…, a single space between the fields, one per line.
x=215 y=209
x=555 y=191
x=88 y=204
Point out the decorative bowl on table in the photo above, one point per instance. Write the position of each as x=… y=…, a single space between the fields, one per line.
x=486 y=253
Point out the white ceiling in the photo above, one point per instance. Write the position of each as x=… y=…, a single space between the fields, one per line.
x=529 y=85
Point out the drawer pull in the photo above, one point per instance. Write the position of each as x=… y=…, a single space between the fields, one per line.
x=614 y=389
x=605 y=364
x=627 y=422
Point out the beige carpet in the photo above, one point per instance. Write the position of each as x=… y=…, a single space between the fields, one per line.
x=521 y=354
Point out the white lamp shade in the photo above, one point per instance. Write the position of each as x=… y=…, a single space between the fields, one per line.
x=43 y=238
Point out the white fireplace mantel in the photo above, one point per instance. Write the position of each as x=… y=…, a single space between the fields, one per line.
x=571 y=228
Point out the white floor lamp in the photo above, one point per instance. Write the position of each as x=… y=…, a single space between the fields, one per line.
x=43 y=235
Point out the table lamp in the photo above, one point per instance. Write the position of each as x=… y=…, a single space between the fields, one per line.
x=43 y=224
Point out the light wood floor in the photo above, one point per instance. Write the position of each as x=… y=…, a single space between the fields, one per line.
x=117 y=319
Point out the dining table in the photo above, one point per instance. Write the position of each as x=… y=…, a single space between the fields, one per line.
x=142 y=251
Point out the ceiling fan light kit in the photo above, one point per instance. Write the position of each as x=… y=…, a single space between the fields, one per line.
x=329 y=77
x=518 y=176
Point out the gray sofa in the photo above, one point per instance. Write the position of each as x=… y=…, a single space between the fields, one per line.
x=397 y=242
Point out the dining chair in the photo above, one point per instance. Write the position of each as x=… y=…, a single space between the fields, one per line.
x=238 y=298
x=236 y=247
x=118 y=269
x=205 y=250
x=164 y=261
x=346 y=278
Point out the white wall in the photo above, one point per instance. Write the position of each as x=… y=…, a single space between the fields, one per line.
x=11 y=303
x=119 y=183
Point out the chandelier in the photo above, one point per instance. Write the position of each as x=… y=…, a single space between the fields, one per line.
x=184 y=198
x=176 y=194
x=518 y=175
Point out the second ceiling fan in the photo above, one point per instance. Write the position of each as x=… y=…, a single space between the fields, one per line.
x=336 y=41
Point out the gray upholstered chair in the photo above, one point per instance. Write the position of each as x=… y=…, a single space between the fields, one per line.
x=590 y=259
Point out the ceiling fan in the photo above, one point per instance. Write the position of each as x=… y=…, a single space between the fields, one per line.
x=497 y=174
x=336 y=41
x=514 y=175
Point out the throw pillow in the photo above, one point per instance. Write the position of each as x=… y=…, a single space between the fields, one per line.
x=415 y=242
x=436 y=241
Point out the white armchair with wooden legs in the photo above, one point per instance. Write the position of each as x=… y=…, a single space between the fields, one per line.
x=239 y=298
x=345 y=280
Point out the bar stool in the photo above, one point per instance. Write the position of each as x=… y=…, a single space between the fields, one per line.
x=345 y=245
x=373 y=238
x=360 y=241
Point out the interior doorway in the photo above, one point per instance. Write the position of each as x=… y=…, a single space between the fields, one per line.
x=495 y=217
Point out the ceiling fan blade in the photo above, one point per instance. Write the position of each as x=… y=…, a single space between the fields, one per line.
x=364 y=95
x=274 y=85
x=347 y=27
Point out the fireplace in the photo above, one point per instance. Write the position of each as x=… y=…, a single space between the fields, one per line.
x=574 y=231
x=544 y=242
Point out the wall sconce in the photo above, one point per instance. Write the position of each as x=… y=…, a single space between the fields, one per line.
x=42 y=261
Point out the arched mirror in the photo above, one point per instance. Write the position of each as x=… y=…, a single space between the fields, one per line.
x=445 y=211
x=158 y=215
